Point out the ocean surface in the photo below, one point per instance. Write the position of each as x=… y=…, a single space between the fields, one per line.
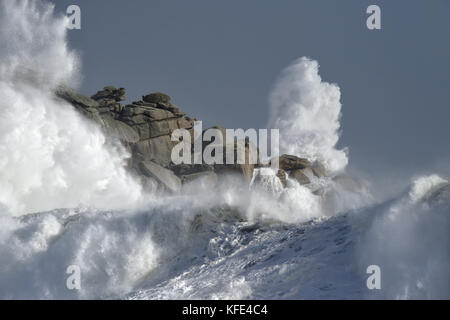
x=68 y=203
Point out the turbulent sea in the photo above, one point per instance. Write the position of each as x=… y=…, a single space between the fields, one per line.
x=66 y=199
x=187 y=250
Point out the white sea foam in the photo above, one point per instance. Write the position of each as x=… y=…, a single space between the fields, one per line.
x=409 y=241
x=307 y=112
x=424 y=186
x=206 y=242
x=49 y=156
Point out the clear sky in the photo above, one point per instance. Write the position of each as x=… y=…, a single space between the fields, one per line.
x=218 y=59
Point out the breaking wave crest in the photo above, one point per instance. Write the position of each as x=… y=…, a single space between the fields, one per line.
x=49 y=156
x=307 y=112
x=408 y=239
x=229 y=242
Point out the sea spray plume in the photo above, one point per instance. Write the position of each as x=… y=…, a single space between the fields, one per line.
x=114 y=251
x=409 y=241
x=34 y=50
x=50 y=157
x=307 y=111
x=425 y=186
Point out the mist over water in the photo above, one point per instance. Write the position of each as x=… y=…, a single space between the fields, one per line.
x=307 y=111
x=233 y=241
x=49 y=156
x=408 y=239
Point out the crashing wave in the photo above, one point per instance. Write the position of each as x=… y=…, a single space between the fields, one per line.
x=311 y=240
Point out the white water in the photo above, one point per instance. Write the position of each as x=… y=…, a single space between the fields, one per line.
x=230 y=242
x=49 y=156
x=408 y=239
x=425 y=186
x=307 y=111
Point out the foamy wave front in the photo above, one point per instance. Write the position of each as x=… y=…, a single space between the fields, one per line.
x=49 y=156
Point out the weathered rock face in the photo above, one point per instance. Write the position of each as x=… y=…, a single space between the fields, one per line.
x=244 y=166
x=76 y=99
x=104 y=112
x=110 y=93
x=145 y=127
x=154 y=123
x=156 y=97
x=299 y=169
x=301 y=176
x=187 y=169
x=281 y=174
x=288 y=162
x=162 y=175
x=156 y=149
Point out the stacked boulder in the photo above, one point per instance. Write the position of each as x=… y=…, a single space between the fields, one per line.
x=104 y=110
x=145 y=127
x=154 y=118
x=300 y=169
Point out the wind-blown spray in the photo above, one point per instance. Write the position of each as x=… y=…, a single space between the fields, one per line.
x=49 y=156
x=307 y=111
